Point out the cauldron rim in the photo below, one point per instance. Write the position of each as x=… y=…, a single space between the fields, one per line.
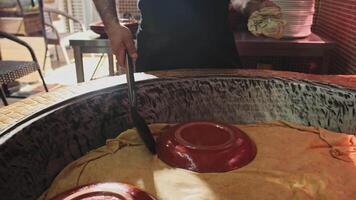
x=146 y=83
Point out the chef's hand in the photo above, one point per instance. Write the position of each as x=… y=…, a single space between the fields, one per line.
x=121 y=41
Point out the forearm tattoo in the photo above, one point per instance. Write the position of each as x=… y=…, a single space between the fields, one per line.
x=107 y=11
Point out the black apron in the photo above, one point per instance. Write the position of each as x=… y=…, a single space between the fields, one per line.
x=185 y=34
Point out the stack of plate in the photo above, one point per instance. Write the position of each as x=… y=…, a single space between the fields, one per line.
x=298 y=15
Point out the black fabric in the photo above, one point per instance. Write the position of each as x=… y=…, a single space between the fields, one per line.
x=185 y=33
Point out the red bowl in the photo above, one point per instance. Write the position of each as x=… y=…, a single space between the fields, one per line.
x=103 y=191
x=98 y=27
x=205 y=146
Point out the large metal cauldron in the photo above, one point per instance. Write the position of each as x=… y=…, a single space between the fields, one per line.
x=35 y=148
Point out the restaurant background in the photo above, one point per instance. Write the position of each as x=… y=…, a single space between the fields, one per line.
x=335 y=20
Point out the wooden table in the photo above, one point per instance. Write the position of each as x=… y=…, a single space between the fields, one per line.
x=89 y=42
x=249 y=45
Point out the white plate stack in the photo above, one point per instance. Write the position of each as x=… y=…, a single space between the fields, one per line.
x=298 y=15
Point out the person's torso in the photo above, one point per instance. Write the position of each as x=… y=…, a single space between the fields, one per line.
x=193 y=29
x=172 y=16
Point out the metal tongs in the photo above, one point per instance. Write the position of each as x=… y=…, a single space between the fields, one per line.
x=137 y=119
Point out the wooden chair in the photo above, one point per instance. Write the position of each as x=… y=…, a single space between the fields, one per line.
x=20 y=17
x=10 y=70
x=53 y=36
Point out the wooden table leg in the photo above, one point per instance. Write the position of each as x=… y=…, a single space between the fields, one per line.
x=117 y=67
x=78 y=57
x=111 y=64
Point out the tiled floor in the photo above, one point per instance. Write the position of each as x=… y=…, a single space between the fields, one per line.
x=59 y=73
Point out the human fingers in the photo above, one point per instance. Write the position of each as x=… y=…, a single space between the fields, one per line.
x=131 y=49
x=121 y=56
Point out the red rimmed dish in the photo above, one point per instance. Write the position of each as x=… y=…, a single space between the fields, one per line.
x=105 y=191
x=205 y=146
x=98 y=27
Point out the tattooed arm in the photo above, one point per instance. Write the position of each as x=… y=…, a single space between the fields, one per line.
x=120 y=36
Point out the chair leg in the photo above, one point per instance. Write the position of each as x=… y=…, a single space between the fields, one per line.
x=6 y=90
x=43 y=81
x=55 y=48
x=65 y=54
x=45 y=59
x=3 y=97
